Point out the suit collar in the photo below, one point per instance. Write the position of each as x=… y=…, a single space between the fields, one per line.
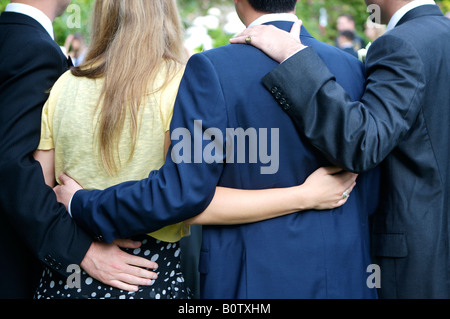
x=422 y=11
x=287 y=26
x=266 y=18
x=33 y=13
x=21 y=19
x=18 y=18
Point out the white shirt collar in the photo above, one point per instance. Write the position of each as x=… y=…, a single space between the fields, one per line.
x=404 y=10
x=34 y=13
x=274 y=17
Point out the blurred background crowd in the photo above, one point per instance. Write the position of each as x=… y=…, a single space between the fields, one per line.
x=211 y=23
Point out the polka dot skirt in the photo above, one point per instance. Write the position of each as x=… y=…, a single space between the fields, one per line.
x=170 y=283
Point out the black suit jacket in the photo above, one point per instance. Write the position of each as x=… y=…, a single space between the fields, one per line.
x=32 y=223
x=402 y=121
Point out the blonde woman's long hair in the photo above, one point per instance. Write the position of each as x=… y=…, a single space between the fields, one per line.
x=131 y=41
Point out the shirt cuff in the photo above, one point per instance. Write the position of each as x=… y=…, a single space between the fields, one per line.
x=68 y=208
x=293 y=54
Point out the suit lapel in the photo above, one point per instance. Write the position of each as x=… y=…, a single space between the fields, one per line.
x=426 y=10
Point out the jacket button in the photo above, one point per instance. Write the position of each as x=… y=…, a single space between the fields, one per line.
x=274 y=90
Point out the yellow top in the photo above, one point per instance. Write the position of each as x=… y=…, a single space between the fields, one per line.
x=69 y=123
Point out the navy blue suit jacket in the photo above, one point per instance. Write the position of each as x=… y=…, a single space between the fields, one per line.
x=32 y=223
x=304 y=255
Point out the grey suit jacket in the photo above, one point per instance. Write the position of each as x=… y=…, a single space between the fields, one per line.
x=402 y=121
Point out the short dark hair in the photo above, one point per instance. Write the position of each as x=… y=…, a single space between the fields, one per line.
x=273 y=6
x=349 y=35
x=348 y=16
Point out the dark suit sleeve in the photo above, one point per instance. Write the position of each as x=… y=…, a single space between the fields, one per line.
x=355 y=135
x=28 y=204
x=184 y=186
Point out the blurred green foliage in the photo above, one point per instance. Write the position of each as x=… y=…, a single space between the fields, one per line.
x=307 y=10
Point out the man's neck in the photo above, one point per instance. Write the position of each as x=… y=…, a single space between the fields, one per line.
x=398 y=9
x=267 y=17
x=45 y=6
x=392 y=8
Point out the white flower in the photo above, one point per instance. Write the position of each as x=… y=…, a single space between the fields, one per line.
x=215 y=12
x=233 y=25
x=362 y=53
x=210 y=22
x=197 y=36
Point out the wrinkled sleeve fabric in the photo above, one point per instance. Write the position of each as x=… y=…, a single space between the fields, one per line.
x=355 y=135
x=186 y=183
